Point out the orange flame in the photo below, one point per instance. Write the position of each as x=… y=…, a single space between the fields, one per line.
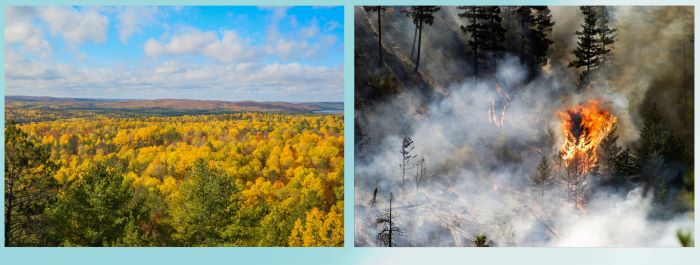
x=584 y=127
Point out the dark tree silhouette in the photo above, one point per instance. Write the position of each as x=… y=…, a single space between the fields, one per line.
x=541 y=29
x=534 y=41
x=485 y=30
x=625 y=165
x=608 y=152
x=652 y=138
x=587 y=51
x=406 y=156
x=421 y=15
x=387 y=225
x=373 y=202
x=379 y=10
x=525 y=19
x=606 y=33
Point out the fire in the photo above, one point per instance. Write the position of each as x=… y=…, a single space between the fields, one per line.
x=584 y=126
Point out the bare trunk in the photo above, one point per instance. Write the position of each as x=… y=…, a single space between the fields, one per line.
x=420 y=35
x=391 y=221
x=413 y=46
x=379 y=22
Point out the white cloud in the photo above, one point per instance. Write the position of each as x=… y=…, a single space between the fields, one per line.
x=332 y=25
x=278 y=12
x=75 y=26
x=169 y=67
x=287 y=82
x=19 y=29
x=132 y=20
x=230 y=47
x=311 y=30
x=303 y=43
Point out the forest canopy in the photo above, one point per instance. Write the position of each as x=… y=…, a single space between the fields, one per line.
x=241 y=179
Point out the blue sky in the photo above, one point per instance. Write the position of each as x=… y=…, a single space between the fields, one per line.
x=215 y=52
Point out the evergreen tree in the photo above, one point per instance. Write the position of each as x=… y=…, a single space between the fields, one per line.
x=95 y=210
x=421 y=15
x=653 y=137
x=485 y=30
x=625 y=164
x=481 y=241
x=608 y=152
x=205 y=207
x=587 y=51
x=606 y=33
x=379 y=10
x=29 y=188
x=525 y=19
x=543 y=178
x=541 y=29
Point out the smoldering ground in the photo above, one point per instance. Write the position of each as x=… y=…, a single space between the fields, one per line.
x=478 y=172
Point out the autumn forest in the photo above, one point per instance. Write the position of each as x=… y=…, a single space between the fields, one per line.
x=238 y=179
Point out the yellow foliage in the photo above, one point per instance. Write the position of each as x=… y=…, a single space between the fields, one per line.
x=279 y=161
x=318 y=229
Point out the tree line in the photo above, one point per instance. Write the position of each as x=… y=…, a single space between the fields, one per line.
x=484 y=28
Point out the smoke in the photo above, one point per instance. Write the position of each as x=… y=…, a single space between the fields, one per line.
x=652 y=61
x=478 y=173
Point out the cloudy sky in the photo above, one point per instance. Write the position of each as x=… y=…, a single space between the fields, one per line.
x=226 y=53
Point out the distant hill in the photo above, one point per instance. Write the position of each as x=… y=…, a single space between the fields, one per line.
x=30 y=108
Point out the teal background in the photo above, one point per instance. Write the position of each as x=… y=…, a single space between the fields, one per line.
x=348 y=254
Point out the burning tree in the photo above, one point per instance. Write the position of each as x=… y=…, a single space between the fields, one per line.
x=388 y=227
x=583 y=127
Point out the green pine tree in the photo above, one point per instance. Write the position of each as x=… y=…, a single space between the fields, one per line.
x=421 y=15
x=30 y=188
x=587 y=51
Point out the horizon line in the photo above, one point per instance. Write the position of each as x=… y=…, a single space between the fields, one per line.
x=216 y=100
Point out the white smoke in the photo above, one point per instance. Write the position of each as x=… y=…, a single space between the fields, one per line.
x=478 y=173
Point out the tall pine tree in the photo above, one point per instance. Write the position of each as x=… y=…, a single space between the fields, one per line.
x=379 y=10
x=421 y=15
x=608 y=151
x=606 y=33
x=541 y=29
x=587 y=51
x=485 y=30
x=30 y=188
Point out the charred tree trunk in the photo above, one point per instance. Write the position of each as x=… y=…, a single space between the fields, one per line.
x=391 y=220
x=379 y=22
x=415 y=37
x=420 y=35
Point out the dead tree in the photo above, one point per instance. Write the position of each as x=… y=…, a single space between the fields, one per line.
x=373 y=202
x=387 y=225
x=406 y=156
x=420 y=170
